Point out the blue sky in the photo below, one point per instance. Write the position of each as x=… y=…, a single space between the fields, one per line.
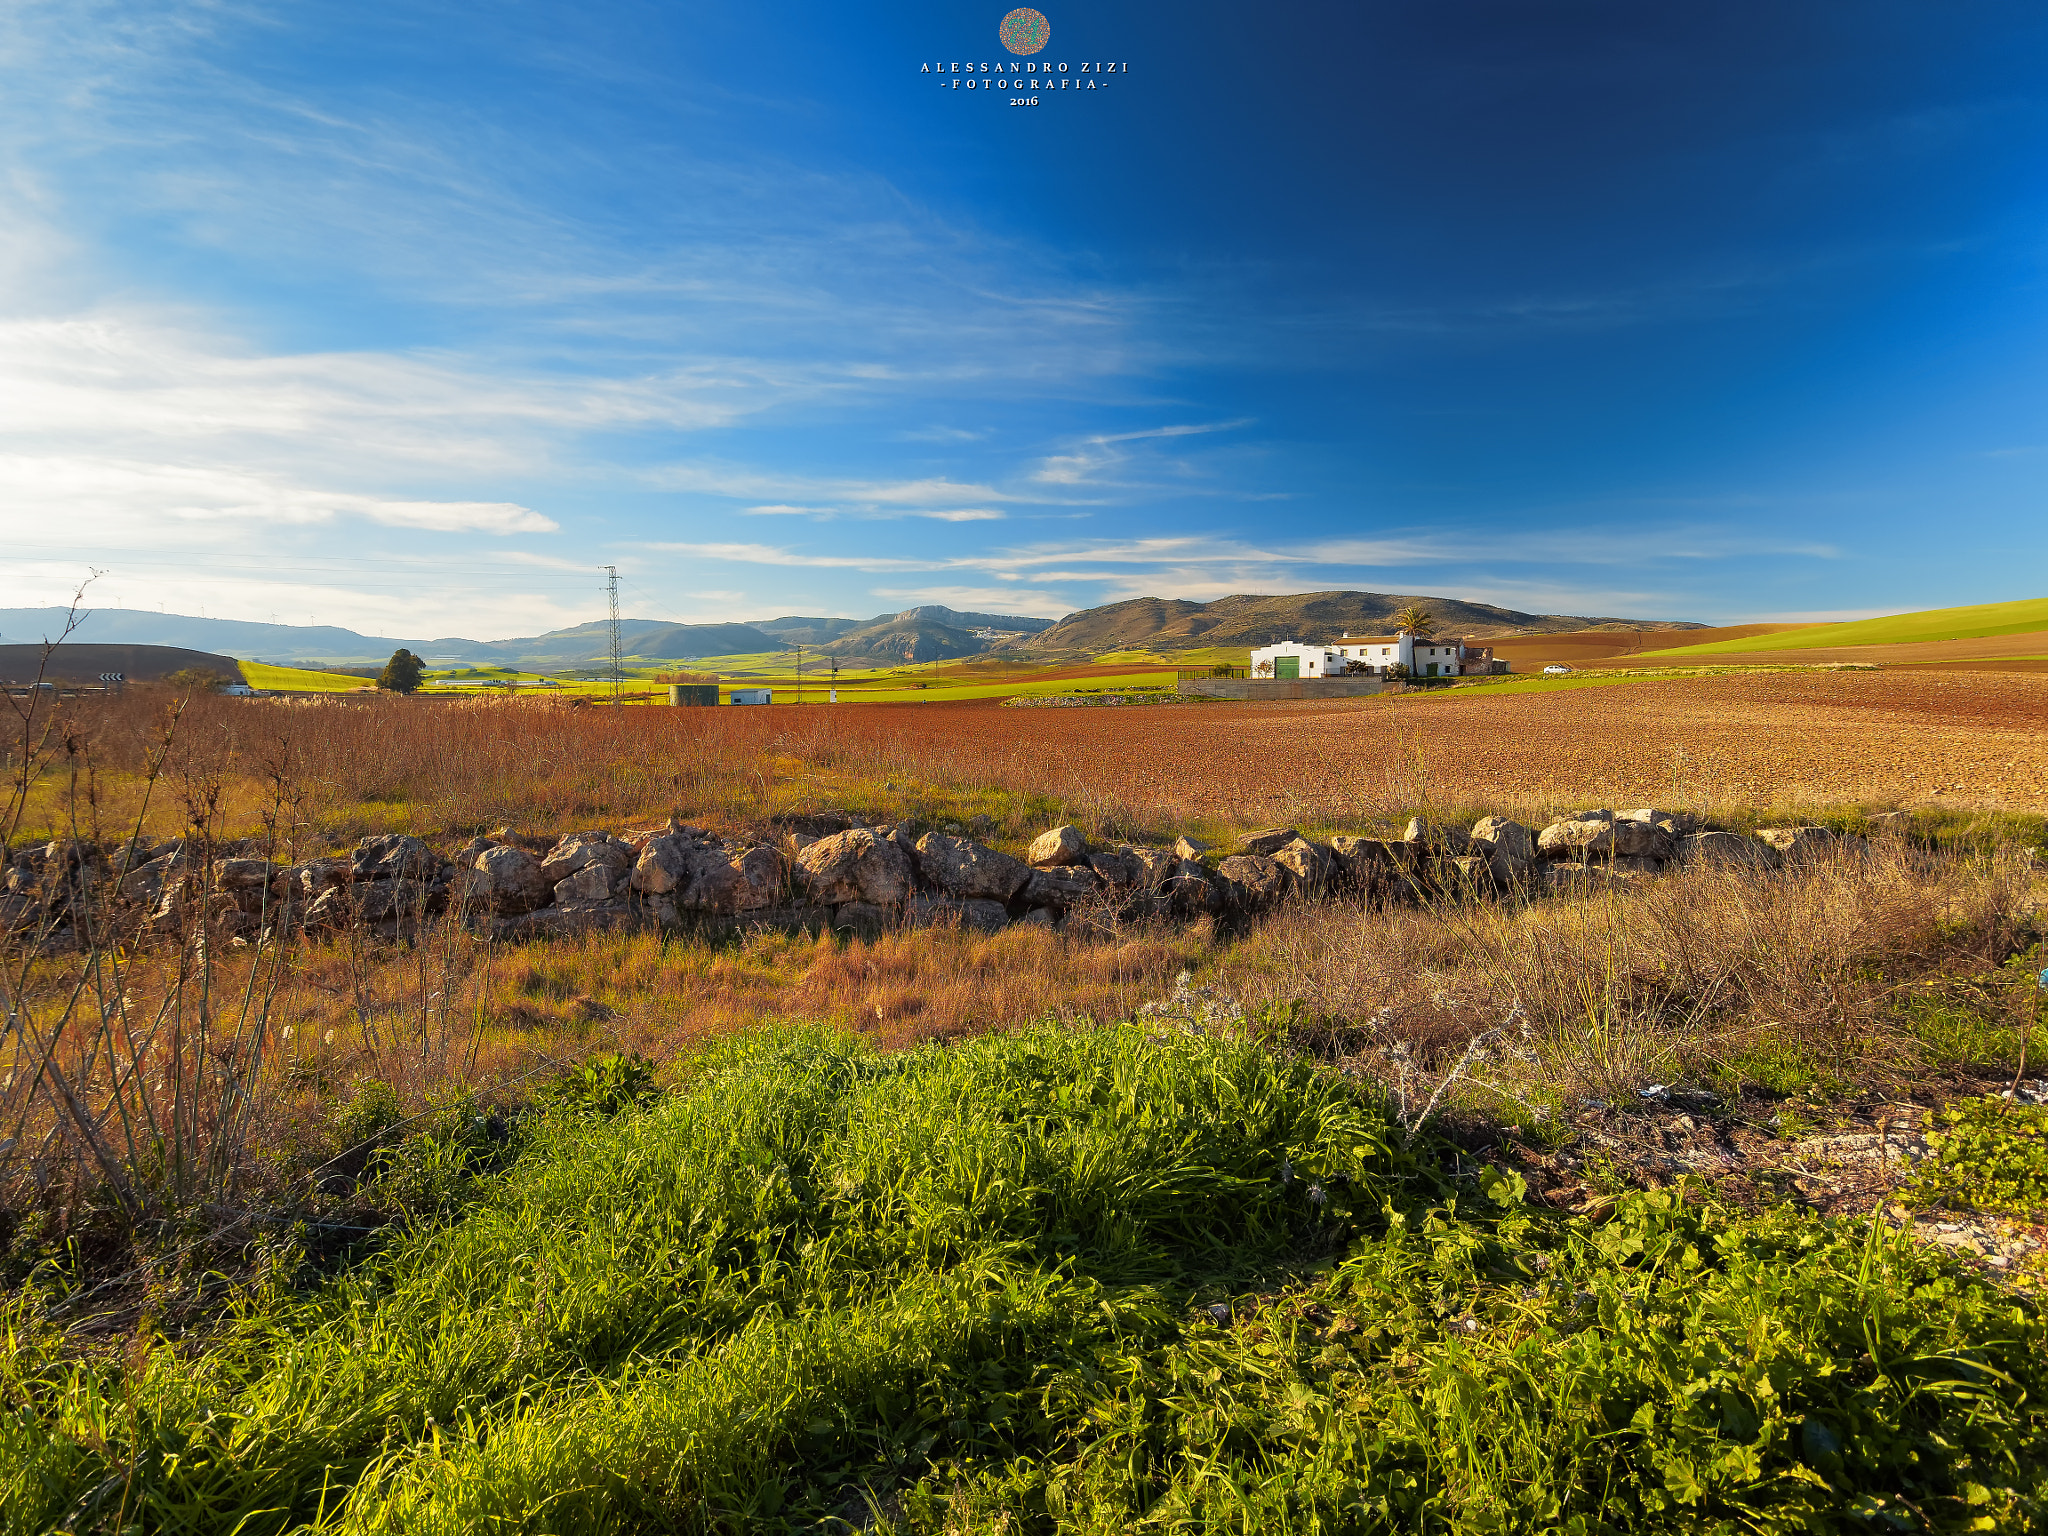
x=409 y=317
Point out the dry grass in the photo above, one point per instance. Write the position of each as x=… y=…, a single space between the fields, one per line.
x=1708 y=974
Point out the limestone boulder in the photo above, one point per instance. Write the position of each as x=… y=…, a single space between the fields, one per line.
x=1572 y=840
x=1150 y=868
x=579 y=850
x=1729 y=850
x=1062 y=888
x=1674 y=824
x=1494 y=836
x=1185 y=847
x=1309 y=865
x=1265 y=844
x=1249 y=881
x=1115 y=868
x=968 y=871
x=592 y=883
x=856 y=866
x=506 y=879
x=1643 y=840
x=1368 y=861
x=1059 y=848
x=1436 y=837
x=392 y=857
x=1191 y=891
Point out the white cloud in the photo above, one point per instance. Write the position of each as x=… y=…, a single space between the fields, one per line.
x=964 y=515
x=120 y=504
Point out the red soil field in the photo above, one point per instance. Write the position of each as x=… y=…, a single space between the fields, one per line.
x=1976 y=740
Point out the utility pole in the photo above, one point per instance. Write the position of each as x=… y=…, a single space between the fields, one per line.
x=799 y=674
x=612 y=589
x=833 y=696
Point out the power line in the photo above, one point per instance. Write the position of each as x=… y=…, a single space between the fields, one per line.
x=618 y=654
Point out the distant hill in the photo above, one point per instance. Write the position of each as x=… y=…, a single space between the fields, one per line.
x=581 y=645
x=1176 y=624
x=71 y=663
x=931 y=633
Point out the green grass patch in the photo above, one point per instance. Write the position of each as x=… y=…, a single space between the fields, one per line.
x=1976 y=622
x=1991 y=1154
x=1063 y=1280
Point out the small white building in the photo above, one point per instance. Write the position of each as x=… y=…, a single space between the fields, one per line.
x=1291 y=659
x=753 y=696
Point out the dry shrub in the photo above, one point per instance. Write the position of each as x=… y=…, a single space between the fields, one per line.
x=1644 y=982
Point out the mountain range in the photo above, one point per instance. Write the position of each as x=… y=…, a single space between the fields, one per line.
x=930 y=633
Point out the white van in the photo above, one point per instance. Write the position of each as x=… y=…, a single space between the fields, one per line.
x=1556 y=669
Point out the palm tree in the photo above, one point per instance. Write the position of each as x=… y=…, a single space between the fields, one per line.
x=1417 y=620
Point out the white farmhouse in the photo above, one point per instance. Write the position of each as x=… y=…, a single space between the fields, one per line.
x=1421 y=655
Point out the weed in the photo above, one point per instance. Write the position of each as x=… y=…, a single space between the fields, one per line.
x=1991 y=1154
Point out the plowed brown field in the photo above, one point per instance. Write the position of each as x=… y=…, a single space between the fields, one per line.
x=1972 y=740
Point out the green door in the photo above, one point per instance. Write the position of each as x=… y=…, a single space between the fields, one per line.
x=1286 y=666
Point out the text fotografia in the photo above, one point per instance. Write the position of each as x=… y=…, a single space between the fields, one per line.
x=1032 y=76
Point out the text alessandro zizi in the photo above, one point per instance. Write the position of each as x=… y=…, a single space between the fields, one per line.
x=1030 y=75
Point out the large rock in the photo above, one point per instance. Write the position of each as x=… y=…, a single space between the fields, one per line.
x=856 y=866
x=1116 y=867
x=1435 y=837
x=968 y=871
x=1310 y=865
x=1190 y=890
x=1251 y=880
x=579 y=850
x=1576 y=837
x=594 y=882
x=1062 y=887
x=243 y=874
x=1644 y=839
x=507 y=880
x=1185 y=847
x=393 y=857
x=1367 y=860
x=690 y=872
x=1267 y=843
x=1674 y=824
x=1151 y=868
x=1502 y=836
x=1060 y=847
x=1729 y=849
x=1508 y=847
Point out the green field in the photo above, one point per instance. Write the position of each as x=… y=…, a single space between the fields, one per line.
x=1977 y=622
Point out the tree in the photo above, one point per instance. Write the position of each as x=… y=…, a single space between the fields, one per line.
x=1417 y=620
x=402 y=673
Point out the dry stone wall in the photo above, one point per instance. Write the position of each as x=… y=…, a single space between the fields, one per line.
x=837 y=873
